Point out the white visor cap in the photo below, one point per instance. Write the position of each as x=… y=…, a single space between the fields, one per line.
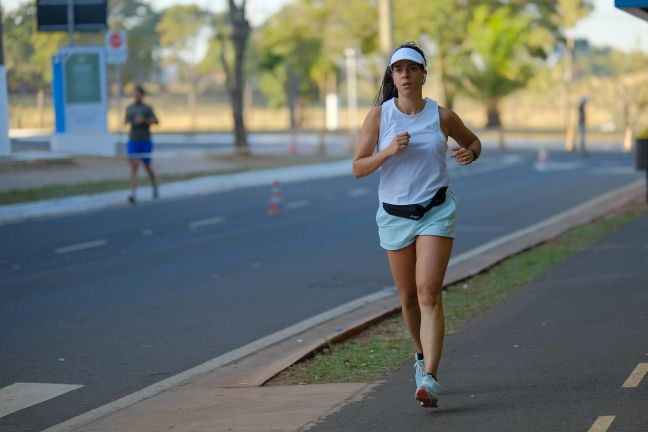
x=406 y=54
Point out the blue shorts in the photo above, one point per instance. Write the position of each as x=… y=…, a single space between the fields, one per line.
x=396 y=232
x=141 y=150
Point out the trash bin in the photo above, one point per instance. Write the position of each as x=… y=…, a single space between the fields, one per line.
x=642 y=153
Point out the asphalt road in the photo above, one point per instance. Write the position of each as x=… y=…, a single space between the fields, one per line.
x=559 y=355
x=119 y=299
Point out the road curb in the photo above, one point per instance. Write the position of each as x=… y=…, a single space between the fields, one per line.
x=13 y=213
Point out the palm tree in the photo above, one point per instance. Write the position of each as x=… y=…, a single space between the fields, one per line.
x=498 y=62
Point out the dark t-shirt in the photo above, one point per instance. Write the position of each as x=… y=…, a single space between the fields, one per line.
x=139 y=132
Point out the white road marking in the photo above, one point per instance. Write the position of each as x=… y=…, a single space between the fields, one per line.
x=206 y=222
x=81 y=246
x=636 y=376
x=557 y=166
x=602 y=424
x=19 y=396
x=83 y=419
x=297 y=204
x=358 y=192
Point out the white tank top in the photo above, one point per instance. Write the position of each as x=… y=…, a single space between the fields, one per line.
x=416 y=173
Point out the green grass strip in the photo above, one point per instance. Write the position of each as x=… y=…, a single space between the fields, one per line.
x=386 y=346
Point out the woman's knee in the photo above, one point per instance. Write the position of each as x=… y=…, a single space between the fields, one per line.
x=409 y=299
x=430 y=295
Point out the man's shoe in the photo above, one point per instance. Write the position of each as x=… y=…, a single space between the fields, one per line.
x=131 y=200
x=428 y=392
x=419 y=371
x=156 y=195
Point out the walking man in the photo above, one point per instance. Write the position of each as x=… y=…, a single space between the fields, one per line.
x=140 y=116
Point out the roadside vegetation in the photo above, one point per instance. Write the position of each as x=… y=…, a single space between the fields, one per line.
x=501 y=64
x=386 y=346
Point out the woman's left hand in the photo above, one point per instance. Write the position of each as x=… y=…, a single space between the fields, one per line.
x=463 y=155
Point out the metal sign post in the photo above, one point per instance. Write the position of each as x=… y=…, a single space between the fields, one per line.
x=70 y=21
x=117 y=53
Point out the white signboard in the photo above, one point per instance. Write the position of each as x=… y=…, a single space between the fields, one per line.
x=81 y=101
x=116 y=47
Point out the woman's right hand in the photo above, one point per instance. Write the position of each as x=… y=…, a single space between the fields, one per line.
x=398 y=143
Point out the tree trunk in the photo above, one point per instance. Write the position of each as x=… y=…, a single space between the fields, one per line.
x=293 y=94
x=240 y=33
x=192 y=101
x=448 y=91
x=494 y=121
x=234 y=76
x=40 y=103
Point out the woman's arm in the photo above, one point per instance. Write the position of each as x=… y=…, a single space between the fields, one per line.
x=469 y=145
x=366 y=160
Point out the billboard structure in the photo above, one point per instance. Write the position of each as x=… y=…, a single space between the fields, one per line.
x=80 y=96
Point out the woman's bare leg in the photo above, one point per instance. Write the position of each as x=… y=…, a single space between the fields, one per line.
x=432 y=256
x=403 y=267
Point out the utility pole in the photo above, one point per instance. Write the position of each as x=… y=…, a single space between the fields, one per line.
x=70 y=22
x=386 y=27
x=5 y=144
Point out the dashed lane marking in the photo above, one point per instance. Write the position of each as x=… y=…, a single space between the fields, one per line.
x=602 y=424
x=636 y=376
x=297 y=204
x=81 y=246
x=206 y=222
x=19 y=396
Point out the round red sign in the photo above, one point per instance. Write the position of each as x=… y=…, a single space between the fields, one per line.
x=115 y=40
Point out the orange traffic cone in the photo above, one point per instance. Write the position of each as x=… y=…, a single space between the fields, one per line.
x=276 y=207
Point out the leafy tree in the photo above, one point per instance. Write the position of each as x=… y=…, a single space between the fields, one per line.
x=288 y=55
x=498 y=63
x=180 y=28
x=28 y=68
x=444 y=22
x=140 y=22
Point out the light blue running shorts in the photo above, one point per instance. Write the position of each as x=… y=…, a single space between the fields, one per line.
x=396 y=232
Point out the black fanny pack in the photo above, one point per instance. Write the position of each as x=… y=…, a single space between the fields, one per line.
x=415 y=211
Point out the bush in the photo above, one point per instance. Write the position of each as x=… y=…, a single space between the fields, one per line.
x=643 y=134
